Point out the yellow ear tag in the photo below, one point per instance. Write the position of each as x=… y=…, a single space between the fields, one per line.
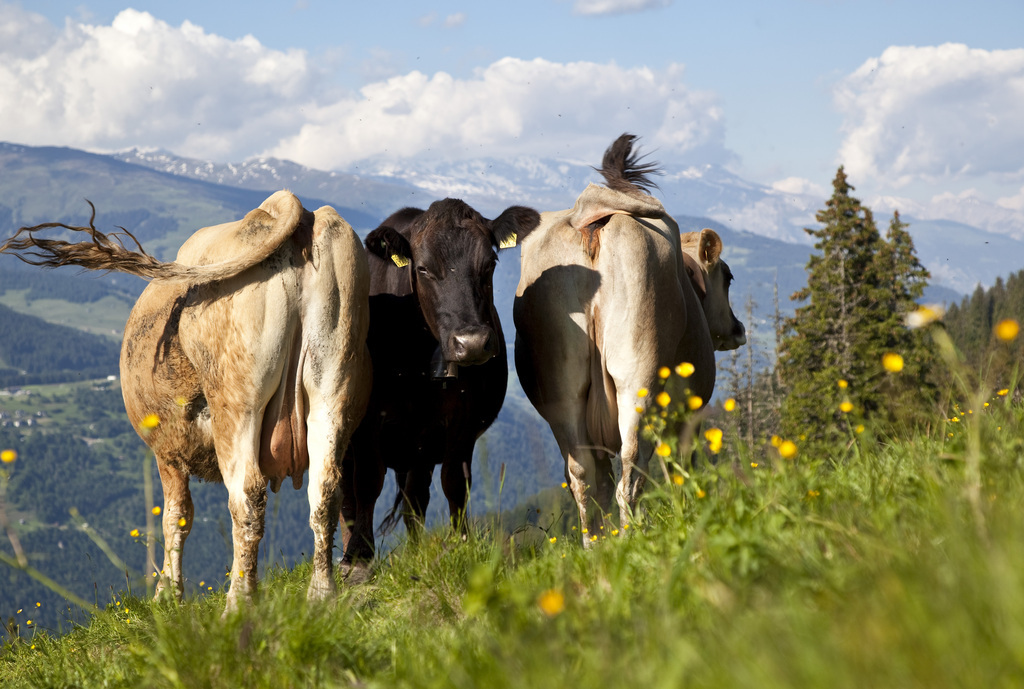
x=400 y=261
x=509 y=241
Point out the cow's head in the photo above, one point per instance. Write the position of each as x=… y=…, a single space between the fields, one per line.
x=451 y=251
x=711 y=278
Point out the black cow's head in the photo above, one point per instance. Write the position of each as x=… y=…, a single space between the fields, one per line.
x=450 y=251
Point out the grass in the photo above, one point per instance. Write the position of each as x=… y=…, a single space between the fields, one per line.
x=873 y=571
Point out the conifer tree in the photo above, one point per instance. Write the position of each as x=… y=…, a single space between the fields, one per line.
x=858 y=288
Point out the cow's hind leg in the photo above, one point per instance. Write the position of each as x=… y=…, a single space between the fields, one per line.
x=177 y=523
x=324 y=498
x=247 y=502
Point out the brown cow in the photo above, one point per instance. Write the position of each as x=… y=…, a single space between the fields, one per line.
x=711 y=277
x=244 y=361
x=603 y=302
x=440 y=368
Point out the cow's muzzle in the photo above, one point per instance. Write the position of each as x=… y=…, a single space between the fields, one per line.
x=471 y=346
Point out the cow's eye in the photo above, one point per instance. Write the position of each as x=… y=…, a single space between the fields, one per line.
x=424 y=273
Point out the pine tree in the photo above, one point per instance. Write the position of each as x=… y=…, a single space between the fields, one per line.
x=858 y=288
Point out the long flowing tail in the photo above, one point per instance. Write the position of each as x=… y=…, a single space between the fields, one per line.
x=276 y=219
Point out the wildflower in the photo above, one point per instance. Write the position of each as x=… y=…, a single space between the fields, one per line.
x=663 y=398
x=564 y=484
x=593 y=538
x=180 y=401
x=156 y=510
x=615 y=532
x=134 y=533
x=776 y=441
x=38 y=604
x=28 y=623
x=846 y=406
x=843 y=384
x=678 y=479
x=714 y=438
x=1003 y=392
x=8 y=456
x=550 y=540
x=700 y=493
x=892 y=362
x=663 y=450
x=664 y=372
x=787 y=449
x=182 y=522
x=685 y=369
x=642 y=392
x=551 y=602
x=639 y=410
x=1007 y=329
x=924 y=315
x=149 y=422
x=859 y=428
x=694 y=403
x=753 y=465
x=813 y=493
x=202 y=583
x=729 y=404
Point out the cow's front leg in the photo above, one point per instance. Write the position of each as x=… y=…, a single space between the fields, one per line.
x=416 y=495
x=177 y=523
x=456 y=481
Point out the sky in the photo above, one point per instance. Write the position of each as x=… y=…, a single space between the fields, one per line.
x=921 y=101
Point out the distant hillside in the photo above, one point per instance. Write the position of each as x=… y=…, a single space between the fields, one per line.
x=33 y=351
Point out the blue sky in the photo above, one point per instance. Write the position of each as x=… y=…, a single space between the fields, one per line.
x=779 y=92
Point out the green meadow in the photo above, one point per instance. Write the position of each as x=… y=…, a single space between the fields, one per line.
x=884 y=560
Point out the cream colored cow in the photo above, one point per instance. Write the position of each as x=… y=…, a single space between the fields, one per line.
x=711 y=277
x=244 y=361
x=603 y=302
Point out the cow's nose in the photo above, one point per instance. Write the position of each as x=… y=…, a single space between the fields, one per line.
x=472 y=346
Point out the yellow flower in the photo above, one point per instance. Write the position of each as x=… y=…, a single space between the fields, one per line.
x=615 y=532
x=150 y=421
x=729 y=404
x=776 y=441
x=678 y=479
x=550 y=540
x=642 y=392
x=8 y=456
x=924 y=315
x=663 y=398
x=134 y=533
x=860 y=428
x=846 y=406
x=1003 y=392
x=663 y=450
x=714 y=438
x=843 y=384
x=753 y=465
x=1007 y=329
x=700 y=493
x=564 y=484
x=551 y=602
x=182 y=522
x=28 y=623
x=639 y=410
x=156 y=510
x=685 y=369
x=664 y=372
x=202 y=583
x=892 y=362
x=694 y=403
x=787 y=449
x=813 y=493
x=180 y=401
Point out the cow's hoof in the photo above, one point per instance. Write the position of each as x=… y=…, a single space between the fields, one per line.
x=320 y=588
x=355 y=573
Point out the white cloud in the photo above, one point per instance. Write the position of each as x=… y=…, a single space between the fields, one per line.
x=142 y=82
x=799 y=185
x=511 y=107
x=592 y=7
x=934 y=114
x=455 y=20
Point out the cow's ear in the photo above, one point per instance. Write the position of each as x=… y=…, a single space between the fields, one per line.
x=512 y=226
x=710 y=247
x=389 y=244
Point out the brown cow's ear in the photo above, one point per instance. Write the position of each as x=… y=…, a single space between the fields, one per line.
x=710 y=247
x=388 y=243
x=512 y=226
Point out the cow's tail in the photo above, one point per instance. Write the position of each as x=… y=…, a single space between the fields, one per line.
x=108 y=252
x=390 y=521
x=623 y=168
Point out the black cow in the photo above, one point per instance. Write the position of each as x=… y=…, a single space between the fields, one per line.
x=439 y=364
